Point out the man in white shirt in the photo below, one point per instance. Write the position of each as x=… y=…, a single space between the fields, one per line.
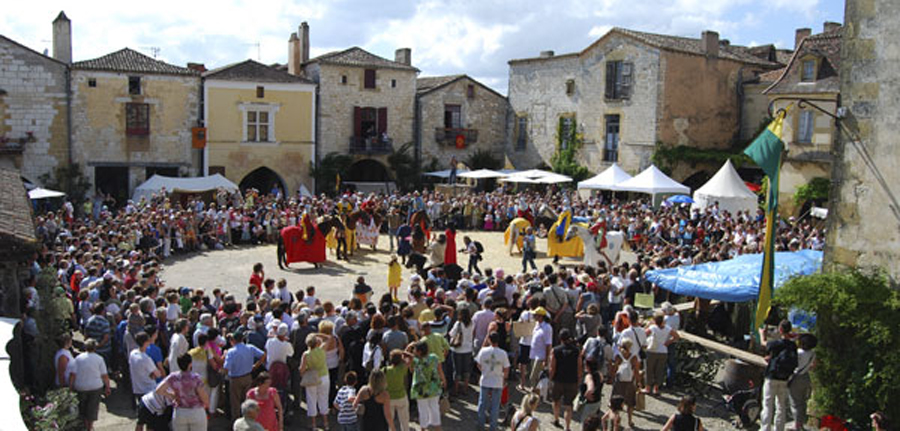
x=482 y=321
x=494 y=365
x=178 y=344
x=541 y=343
x=143 y=370
x=89 y=379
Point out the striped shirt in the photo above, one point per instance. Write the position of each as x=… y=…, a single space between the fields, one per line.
x=346 y=412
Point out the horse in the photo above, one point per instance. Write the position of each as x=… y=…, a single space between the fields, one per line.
x=293 y=247
x=515 y=234
x=368 y=232
x=614 y=241
x=420 y=218
x=545 y=216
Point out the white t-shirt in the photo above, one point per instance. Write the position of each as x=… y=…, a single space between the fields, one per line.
x=540 y=339
x=492 y=361
x=673 y=321
x=482 y=321
x=178 y=346
x=277 y=351
x=69 y=365
x=89 y=370
x=468 y=336
x=658 y=338
x=525 y=317
x=373 y=353
x=173 y=311
x=638 y=339
x=141 y=366
x=616 y=283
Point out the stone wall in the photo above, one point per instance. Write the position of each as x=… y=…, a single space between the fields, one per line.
x=754 y=109
x=537 y=90
x=336 y=103
x=485 y=112
x=98 y=121
x=35 y=102
x=864 y=221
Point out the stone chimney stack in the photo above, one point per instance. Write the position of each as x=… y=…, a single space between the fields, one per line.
x=546 y=54
x=802 y=33
x=710 y=43
x=62 y=38
x=403 y=56
x=298 y=50
x=830 y=26
x=304 y=42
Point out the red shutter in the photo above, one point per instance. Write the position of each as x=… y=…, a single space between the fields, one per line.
x=357 y=121
x=382 y=121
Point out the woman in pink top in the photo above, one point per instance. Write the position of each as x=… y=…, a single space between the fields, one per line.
x=191 y=398
x=267 y=398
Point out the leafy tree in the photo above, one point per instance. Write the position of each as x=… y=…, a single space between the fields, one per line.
x=816 y=190
x=70 y=180
x=329 y=167
x=483 y=159
x=406 y=172
x=858 y=370
x=564 y=160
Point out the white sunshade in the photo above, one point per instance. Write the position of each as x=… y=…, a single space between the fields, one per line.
x=607 y=179
x=481 y=174
x=728 y=189
x=445 y=173
x=182 y=185
x=652 y=181
x=553 y=179
x=535 y=176
x=42 y=193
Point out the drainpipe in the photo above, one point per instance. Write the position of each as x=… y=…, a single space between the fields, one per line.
x=201 y=122
x=70 y=158
x=417 y=132
x=315 y=184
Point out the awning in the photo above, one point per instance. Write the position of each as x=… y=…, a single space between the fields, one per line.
x=445 y=173
x=481 y=174
x=606 y=180
x=42 y=193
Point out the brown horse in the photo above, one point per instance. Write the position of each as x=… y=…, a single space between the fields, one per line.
x=420 y=219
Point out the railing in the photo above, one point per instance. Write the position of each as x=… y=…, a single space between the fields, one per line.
x=15 y=145
x=371 y=145
x=448 y=136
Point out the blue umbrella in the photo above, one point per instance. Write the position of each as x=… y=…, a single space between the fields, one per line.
x=680 y=199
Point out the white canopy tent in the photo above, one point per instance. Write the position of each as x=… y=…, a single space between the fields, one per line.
x=446 y=173
x=727 y=188
x=653 y=182
x=535 y=176
x=606 y=180
x=554 y=179
x=42 y=193
x=481 y=174
x=157 y=183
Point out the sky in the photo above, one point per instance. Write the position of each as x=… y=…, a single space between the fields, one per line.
x=475 y=37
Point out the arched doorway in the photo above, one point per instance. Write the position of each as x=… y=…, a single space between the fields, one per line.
x=368 y=171
x=697 y=180
x=264 y=180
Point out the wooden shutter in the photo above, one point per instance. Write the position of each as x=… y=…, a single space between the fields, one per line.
x=610 y=79
x=357 y=121
x=369 y=78
x=627 y=74
x=382 y=120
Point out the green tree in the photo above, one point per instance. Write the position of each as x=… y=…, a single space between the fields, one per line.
x=858 y=329
x=329 y=167
x=564 y=160
x=483 y=159
x=816 y=190
x=406 y=172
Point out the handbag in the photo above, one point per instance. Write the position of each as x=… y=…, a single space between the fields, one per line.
x=456 y=339
x=213 y=376
x=445 y=405
x=640 y=402
x=641 y=353
x=310 y=378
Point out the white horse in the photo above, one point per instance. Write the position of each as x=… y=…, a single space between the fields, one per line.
x=614 y=241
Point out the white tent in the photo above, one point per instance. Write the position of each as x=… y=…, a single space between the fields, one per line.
x=42 y=193
x=607 y=179
x=157 y=183
x=652 y=181
x=482 y=173
x=536 y=176
x=554 y=179
x=445 y=173
x=727 y=188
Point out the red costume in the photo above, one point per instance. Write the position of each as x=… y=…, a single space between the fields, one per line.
x=450 y=251
x=526 y=214
x=298 y=250
x=600 y=228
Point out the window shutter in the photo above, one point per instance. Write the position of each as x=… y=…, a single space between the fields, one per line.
x=627 y=73
x=369 y=78
x=610 y=79
x=516 y=131
x=382 y=120
x=357 y=121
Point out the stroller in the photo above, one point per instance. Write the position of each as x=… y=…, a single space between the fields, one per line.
x=742 y=392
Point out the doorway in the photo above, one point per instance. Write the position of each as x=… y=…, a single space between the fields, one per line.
x=112 y=180
x=264 y=180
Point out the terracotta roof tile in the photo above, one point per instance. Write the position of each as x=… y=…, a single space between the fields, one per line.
x=428 y=83
x=16 y=224
x=359 y=57
x=253 y=71
x=824 y=46
x=129 y=60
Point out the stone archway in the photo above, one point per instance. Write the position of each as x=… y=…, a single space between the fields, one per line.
x=697 y=179
x=368 y=171
x=264 y=180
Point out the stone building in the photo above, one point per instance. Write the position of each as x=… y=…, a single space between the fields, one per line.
x=260 y=126
x=367 y=104
x=132 y=117
x=627 y=92
x=811 y=74
x=34 y=133
x=864 y=217
x=458 y=116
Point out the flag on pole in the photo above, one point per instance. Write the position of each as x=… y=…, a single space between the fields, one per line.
x=766 y=151
x=337 y=183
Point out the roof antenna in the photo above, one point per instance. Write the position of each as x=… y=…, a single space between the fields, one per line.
x=153 y=49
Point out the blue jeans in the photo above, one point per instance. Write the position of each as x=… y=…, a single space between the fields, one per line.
x=349 y=427
x=494 y=398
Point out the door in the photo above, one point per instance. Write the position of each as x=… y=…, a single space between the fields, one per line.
x=112 y=180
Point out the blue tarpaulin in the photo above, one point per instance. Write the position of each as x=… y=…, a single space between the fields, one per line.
x=734 y=280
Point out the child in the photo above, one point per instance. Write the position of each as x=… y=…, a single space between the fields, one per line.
x=395 y=273
x=612 y=419
x=343 y=403
x=310 y=297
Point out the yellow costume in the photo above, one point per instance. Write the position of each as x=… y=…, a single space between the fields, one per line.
x=557 y=245
x=519 y=224
x=395 y=272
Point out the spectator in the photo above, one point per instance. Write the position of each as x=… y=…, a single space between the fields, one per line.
x=428 y=380
x=461 y=344
x=191 y=399
x=493 y=362
x=142 y=369
x=344 y=404
x=659 y=337
x=377 y=402
x=800 y=384
x=271 y=412
x=781 y=357
x=313 y=361
x=565 y=375
x=395 y=375
x=524 y=419
x=89 y=379
x=239 y=362
x=247 y=421
x=628 y=372
x=684 y=420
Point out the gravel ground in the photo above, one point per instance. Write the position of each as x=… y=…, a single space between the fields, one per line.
x=230 y=270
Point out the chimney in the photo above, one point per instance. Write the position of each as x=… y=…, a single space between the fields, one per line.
x=197 y=67
x=710 y=43
x=294 y=55
x=62 y=38
x=802 y=33
x=830 y=26
x=304 y=42
x=403 y=56
x=547 y=54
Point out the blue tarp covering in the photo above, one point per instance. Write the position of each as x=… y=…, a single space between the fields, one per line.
x=735 y=280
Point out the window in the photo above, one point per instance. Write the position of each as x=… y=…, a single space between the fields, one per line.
x=808 y=73
x=470 y=91
x=570 y=87
x=369 y=122
x=618 y=79
x=369 y=81
x=344 y=79
x=258 y=126
x=134 y=85
x=393 y=83
x=137 y=119
x=805 y=126
x=260 y=92
x=521 y=132
x=92 y=82
x=452 y=117
x=611 y=148
x=566 y=131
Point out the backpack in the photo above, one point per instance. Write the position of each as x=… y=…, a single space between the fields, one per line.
x=498 y=295
x=478 y=247
x=784 y=364
x=594 y=351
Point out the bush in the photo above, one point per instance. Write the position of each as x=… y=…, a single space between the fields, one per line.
x=858 y=328
x=58 y=410
x=816 y=190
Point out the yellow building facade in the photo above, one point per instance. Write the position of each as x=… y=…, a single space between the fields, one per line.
x=260 y=127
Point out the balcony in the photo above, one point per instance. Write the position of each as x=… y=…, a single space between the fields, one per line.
x=371 y=145
x=451 y=136
x=15 y=145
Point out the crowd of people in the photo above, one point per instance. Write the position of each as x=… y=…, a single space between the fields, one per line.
x=279 y=353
